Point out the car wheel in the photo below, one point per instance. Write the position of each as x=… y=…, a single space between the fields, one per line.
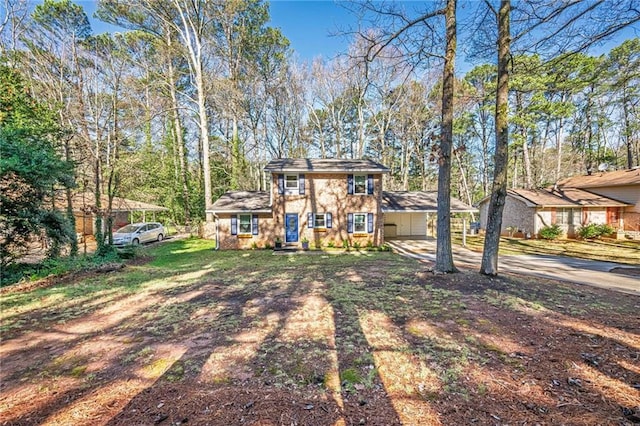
x=135 y=242
x=160 y=237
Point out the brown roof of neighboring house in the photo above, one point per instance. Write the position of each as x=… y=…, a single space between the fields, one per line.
x=85 y=201
x=322 y=165
x=563 y=197
x=242 y=201
x=418 y=201
x=615 y=178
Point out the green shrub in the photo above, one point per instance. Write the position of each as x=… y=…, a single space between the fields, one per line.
x=606 y=229
x=551 y=232
x=589 y=231
x=331 y=244
x=593 y=230
x=356 y=245
x=345 y=243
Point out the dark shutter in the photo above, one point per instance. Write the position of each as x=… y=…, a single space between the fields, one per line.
x=350 y=223
x=280 y=184
x=370 y=184
x=370 y=223
x=301 y=184
x=254 y=224
x=234 y=225
x=310 y=220
x=327 y=220
x=350 y=184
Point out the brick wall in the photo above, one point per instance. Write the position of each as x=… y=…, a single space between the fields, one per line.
x=265 y=235
x=327 y=193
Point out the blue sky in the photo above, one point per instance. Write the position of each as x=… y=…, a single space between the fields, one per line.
x=311 y=25
x=307 y=24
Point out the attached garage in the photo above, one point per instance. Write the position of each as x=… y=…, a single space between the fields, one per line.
x=406 y=212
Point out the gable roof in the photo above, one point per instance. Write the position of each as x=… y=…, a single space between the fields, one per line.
x=563 y=197
x=323 y=165
x=419 y=202
x=242 y=201
x=595 y=180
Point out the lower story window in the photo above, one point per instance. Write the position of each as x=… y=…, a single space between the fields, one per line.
x=244 y=222
x=319 y=221
x=359 y=223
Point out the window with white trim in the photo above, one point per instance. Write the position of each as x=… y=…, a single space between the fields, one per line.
x=360 y=184
x=291 y=182
x=319 y=220
x=360 y=223
x=244 y=224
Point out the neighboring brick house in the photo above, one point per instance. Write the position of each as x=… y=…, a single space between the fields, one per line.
x=529 y=210
x=321 y=200
x=621 y=185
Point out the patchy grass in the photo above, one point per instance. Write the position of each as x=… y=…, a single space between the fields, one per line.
x=607 y=250
x=319 y=338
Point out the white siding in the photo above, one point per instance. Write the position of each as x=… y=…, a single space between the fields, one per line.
x=628 y=194
x=408 y=223
x=418 y=224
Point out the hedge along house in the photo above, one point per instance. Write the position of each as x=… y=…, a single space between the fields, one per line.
x=324 y=201
x=530 y=210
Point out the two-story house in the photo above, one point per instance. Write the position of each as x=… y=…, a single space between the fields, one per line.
x=323 y=201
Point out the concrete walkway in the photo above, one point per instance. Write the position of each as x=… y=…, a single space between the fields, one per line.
x=589 y=272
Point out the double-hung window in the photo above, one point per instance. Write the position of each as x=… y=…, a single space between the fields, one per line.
x=360 y=184
x=319 y=220
x=244 y=224
x=291 y=182
x=359 y=223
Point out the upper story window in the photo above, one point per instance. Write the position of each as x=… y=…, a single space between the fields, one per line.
x=360 y=184
x=291 y=181
x=291 y=184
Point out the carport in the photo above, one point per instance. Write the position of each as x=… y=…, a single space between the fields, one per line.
x=407 y=213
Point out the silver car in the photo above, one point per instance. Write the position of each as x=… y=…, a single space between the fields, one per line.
x=138 y=233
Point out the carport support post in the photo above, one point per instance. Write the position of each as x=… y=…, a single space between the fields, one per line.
x=464 y=232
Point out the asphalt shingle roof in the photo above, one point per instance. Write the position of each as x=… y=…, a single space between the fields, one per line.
x=323 y=165
x=418 y=201
x=242 y=201
x=565 y=197
x=599 y=179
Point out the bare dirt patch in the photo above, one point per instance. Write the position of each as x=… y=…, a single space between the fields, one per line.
x=250 y=338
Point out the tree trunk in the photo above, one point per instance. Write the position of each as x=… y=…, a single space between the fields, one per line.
x=489 y=264
x=444 y=255
x=179 y=137
x=627 y=129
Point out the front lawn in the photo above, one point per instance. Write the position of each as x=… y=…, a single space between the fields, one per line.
x=621 y=251
x=195 y=336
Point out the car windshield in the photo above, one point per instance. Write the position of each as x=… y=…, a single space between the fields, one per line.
x=127 y=229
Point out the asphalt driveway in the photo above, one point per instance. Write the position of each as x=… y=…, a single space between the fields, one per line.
x=607 y=275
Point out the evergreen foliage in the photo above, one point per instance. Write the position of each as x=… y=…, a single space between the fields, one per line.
x=30 y=170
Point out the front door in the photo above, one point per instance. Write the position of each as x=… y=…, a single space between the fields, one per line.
x=291 y=227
